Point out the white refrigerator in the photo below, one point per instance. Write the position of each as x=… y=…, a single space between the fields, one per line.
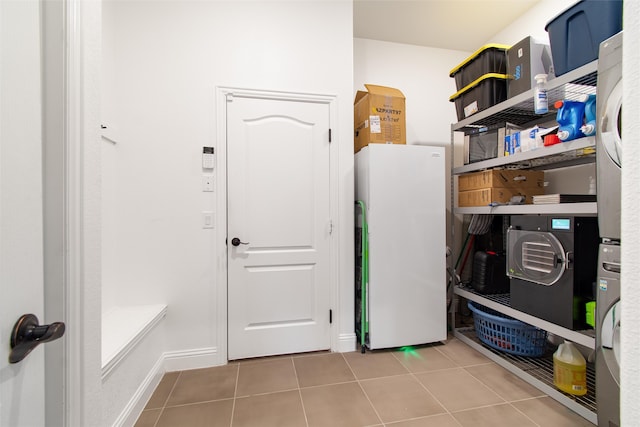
x=403 y=189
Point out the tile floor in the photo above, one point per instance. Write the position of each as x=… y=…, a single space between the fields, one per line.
x=440 y=385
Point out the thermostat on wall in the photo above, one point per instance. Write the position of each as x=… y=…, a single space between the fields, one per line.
x=208 y=158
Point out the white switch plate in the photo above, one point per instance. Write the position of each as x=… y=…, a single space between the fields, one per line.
x=207 y=183
x=208 y=219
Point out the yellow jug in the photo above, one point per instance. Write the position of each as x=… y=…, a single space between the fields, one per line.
x=570 y=369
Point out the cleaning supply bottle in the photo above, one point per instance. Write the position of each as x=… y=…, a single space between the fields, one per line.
x=541 y=104
x=570 y=369
x=589 y=126
x=570 y=117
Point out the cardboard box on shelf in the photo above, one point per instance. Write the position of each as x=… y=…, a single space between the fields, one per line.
x=379 y=117
x=487 y=196
x=516 y=180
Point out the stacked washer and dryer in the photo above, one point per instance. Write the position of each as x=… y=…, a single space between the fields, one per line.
x=609 y=168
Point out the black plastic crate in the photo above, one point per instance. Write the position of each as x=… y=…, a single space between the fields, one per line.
x=491 y=58
x=484 y=92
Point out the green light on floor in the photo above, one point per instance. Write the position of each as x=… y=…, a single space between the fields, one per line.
x=409 y=352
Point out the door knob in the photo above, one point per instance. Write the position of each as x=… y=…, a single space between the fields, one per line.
x=27 y=334
x=235 y=242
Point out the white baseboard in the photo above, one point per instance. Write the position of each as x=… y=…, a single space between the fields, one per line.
x=192 y=359
x=168 y=362
x=132 y=411
x=346 y=343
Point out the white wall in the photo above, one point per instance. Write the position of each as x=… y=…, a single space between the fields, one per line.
x=630 y=387
x=162 y=62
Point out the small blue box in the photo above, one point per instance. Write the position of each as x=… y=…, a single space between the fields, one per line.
x=575 y=35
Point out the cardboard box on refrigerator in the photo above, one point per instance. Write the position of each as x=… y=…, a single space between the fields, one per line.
x=379 y=117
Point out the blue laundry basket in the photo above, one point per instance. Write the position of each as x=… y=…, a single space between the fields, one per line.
x=506 y=334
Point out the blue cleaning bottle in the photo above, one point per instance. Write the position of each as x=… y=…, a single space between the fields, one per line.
x=589 y=126
x=540 y=101
x=570 y=117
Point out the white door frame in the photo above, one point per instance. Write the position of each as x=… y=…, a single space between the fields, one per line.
x=78 y=204
x=222 y=93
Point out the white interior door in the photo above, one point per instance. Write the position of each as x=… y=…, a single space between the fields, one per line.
x=278 y=207
x=22 y=400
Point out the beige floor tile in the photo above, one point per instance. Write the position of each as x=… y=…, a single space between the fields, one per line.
x=266 y=377
x=208 y=414
x=411 y=388
x=547 y=412
x=494 y=416
x=462 y=354
x=282 y=409
x=458 y=390
x=400 y=398
x=503 y=382
x=322 y=369
x=203 y=385
x=338 y=405
x=443 y=420
x=159 y=396
x=148 y=418
x=374 y=364
x=424 y=359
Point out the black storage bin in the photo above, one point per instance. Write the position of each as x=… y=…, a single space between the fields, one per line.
x=575 y=35
x=489 y=273
x=484 y=92
x=491 y=58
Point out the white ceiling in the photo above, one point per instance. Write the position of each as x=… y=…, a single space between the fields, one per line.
x=448 y=24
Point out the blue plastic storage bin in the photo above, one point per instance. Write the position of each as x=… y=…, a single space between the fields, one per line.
x=575 y=35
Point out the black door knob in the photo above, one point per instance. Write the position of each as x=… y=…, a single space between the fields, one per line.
x=236 y=242
x=27 y=333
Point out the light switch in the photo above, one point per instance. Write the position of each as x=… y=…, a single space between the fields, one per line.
x=207 y=183
x=208 y=219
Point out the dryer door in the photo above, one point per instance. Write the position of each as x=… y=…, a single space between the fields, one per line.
x=535 y=256
x=610 y=340
x=611 y=125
